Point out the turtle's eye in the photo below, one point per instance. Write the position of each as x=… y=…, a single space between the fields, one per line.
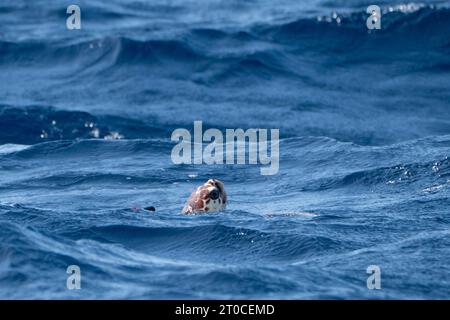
x=214 y=194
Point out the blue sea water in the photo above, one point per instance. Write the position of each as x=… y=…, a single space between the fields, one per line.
x=86 y=118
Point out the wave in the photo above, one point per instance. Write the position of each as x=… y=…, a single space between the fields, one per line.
x=419 y=22
x=323 y=163
x=35 y=124
x=11 y=148
x=401 y=174
x=339 y=34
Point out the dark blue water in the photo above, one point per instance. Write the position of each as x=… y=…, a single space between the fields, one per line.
x=86 y=118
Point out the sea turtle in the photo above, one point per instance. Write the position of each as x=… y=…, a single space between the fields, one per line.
x=209 y=197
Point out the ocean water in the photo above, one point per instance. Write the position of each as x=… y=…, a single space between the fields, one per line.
x=86 y=118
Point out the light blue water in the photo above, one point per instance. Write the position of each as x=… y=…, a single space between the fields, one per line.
x=364 y=157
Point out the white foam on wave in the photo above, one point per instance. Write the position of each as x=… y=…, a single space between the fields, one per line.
x=11 y=147
x=292 y=214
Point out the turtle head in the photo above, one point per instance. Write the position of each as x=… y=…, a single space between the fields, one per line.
x=209 y=197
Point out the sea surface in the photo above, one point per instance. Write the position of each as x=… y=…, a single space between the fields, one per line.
x=86 y=118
